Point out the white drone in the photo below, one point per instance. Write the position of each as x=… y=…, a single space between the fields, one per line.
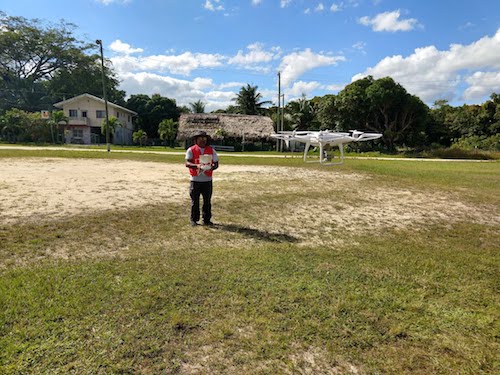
x=325 y=139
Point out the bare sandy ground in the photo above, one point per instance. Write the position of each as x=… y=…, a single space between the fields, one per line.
x=45 y=188
x=50 y=188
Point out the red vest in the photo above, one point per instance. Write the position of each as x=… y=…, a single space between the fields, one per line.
x=196 y=156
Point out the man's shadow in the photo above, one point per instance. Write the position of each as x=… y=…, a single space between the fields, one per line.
x=255 y=233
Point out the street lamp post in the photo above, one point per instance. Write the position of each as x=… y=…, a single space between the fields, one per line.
x=278 y=141
x=108 y=146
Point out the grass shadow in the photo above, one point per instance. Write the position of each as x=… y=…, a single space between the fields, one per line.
x=255 y=233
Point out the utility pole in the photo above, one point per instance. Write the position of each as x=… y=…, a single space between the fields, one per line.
x=108 y=145
x=283 y=113
x=278 y=141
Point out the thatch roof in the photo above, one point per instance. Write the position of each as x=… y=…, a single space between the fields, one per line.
x=233 y=126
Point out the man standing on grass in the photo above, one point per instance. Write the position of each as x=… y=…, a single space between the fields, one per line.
x=202 y=160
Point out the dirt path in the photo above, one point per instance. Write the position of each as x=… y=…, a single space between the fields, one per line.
x=298 y=155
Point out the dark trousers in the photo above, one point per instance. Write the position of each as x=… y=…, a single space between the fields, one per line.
x=195 y=190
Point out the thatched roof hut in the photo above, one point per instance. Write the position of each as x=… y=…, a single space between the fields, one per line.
x=251 y=128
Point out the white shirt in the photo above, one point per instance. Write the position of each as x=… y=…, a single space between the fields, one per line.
x=202 y=177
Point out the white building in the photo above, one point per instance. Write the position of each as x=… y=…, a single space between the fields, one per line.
x=87 y=112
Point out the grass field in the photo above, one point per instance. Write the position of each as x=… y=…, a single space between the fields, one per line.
x=372 y=267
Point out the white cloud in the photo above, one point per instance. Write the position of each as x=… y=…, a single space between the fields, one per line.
x=225 y=96
x=285 y=3
x=269 y=95
x=297 y=63
x=308 y=89
x=256 y=2
x=335 y=8
x=255 y=55
x=334 y=87
x=300 y=87
x=153 y=74
x=228 y=85
x=481 y=84
x=177 y=64
x=389 y=21
x=213 y=6
x=360 y=46
x=432 y=74
x=319 y=8
x=307 y=11
x=183 y=91
x=219 y=100
x=120 y=47
x=150 y=83
x=339 y=6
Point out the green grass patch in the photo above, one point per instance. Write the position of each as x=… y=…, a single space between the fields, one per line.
x=142 y=292
x=393 y=303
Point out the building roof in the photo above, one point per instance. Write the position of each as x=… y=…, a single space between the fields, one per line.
x=234 y=126
x=92 y=97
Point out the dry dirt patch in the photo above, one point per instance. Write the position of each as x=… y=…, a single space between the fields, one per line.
x=32 y=189
x=50 y=188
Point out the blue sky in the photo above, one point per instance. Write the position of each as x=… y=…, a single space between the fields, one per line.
x=206 y=50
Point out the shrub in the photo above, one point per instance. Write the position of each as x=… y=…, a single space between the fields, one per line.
x=476 y=142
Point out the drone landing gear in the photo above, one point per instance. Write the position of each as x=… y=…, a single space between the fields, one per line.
x=324 y=158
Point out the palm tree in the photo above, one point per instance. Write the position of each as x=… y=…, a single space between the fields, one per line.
x=13 y=124
x=302 y=113
x=140 y=136
x=10 y=130
x=197 y=107
x=113 y=124
x=56 y=119
x=248 y=101
x=167 y=129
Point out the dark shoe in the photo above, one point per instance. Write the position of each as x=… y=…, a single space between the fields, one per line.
x=208 y=223
x=193 y=223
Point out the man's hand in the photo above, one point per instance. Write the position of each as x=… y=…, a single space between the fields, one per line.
x=192 y=165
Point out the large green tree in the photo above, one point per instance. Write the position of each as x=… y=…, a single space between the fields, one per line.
x=43 y=63
x=139 y=104
x=400 y=116
x=353 y=106
x=86 y=77
x=383 y=106
x=327 y=112
x=468 y=126
x=31 y=53
x=152 y=110
x=437 y=132
x=249 y=102
x=492 y=113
